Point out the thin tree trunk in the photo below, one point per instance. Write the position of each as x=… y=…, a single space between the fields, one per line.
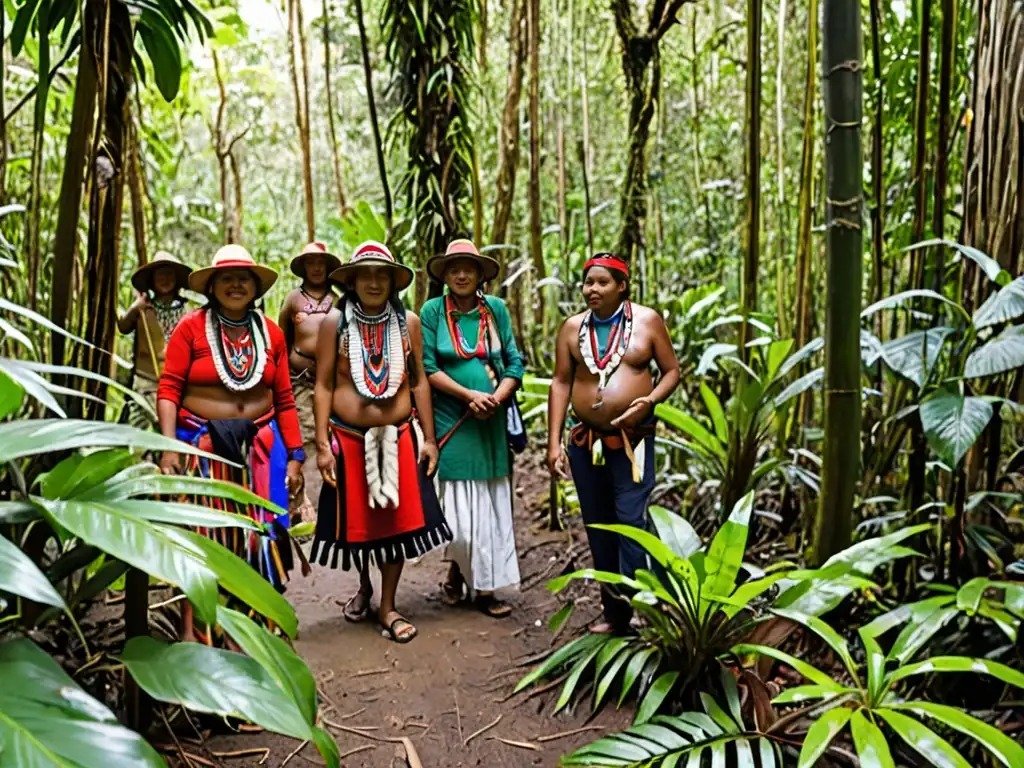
x=135 y=190
x=238 y=207
x=752 y=165
x=219 y=148
x=508 y=132
x=69 y=207
x=374 y=123
x=948 y=59
x=781 y=236
x=335 y=156
x=877 y=177
x=698 y=161
x=841 y=60
x=536 y=254
x=563 y=222
x=921 y=142
x=584 y=151
x=482 y=37
x=32 y=224
x=3 y=107
x=300 y=88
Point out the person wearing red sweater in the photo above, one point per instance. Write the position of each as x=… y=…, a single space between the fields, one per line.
x=225 y=388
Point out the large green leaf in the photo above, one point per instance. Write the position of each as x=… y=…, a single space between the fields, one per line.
x=632 y=673
x=561 y=656
x=589 y=574
x=1003 y=353
x=11 y=395
x=725 y=555
x=80 y=472
x=163 y=52
x=821 y=734
x=47 y=721
x=578 y=668
x=799 y=386
x=809 y=671
x=988 y=265
x=923 y=740
x=804 y=353
x=917 y=633
x=1002 y=306
x=995 y=741
x=274 y=655
x=915 y=612
x=655 y=696
x=715 y=411
x=212 y=680
x=20 y=576
x=689 y=426
x=826 y=633
x=675 y=531
x=899 y=299
x=1007 y=674
x=872 y=748
x=913 y=355
x=953 y=422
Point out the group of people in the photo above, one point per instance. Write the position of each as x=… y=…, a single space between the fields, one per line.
x=409 y=418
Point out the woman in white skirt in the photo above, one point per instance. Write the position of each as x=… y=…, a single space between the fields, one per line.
x=474 y=368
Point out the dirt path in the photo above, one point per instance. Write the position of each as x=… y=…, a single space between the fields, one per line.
x=448 y=682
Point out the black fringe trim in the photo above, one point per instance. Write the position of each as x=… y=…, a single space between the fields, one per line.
x=395 y=549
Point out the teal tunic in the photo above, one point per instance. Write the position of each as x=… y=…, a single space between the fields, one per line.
x=478 y=450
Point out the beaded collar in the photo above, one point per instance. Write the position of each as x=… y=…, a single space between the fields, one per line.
x=604 y=364
x=487 y=338
x=376 y=350
x=239 y=362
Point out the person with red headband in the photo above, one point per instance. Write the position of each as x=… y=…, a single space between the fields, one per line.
x=375 y=453
x=225 y=389
x=602 y=367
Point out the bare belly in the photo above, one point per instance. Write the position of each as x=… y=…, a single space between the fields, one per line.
x=303 y=354
x=626 y=385
x=351 y=408
x=218 y=403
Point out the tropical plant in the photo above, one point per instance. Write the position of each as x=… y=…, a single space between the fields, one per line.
x=871 y=694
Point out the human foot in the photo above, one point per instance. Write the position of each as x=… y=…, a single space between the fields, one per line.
x=603 y=628
x=397 y=628
x=492 y=606
x=453 y=587
x=358 y=606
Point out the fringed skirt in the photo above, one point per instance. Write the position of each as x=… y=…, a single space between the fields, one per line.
x=484 y=543
x=382 y=511
x=259 y=448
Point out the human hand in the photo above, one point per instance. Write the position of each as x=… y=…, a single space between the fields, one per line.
x=141 y=300
x=557 y=462
x=483 y=405
x=326 y=463
x=170 y=463
x=295 y=480
x=638 y=410
x=429 y=454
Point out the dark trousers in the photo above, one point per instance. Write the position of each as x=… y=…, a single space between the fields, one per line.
x=608 y=494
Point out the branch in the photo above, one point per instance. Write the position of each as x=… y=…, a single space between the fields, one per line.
x=624 y=24
x=668 y=18
x=238 y=138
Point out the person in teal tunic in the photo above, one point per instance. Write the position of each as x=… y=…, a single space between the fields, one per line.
x=474 y=368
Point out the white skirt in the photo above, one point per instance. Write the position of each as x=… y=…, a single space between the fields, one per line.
x=479 y=513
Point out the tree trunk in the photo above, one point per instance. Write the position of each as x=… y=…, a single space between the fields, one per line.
x=374 y=123
x=135 y=190
x=781 y=237
x=877 y=172
x=3 y=106
x=335 y=157
x=300 y=88
x=841 y=60
x=536 y=253
x=481 y=47
x=921 y=143
x=32 y=223
x=508 y=132
x=948 y=60
x=106 y=202
x=236 y=183
x=752 y=165
x=76 y=152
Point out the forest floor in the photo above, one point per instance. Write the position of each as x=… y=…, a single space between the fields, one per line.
x=454 y=678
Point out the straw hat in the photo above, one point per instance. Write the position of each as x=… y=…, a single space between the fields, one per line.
x=298 y=265
x=232 y=257
x=462 y=249
x=142 y=278
x=369 y=254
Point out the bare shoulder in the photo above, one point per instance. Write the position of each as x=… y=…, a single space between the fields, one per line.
x=572 y=324
x=293 y=296
x=412 y=320
x=645 y=314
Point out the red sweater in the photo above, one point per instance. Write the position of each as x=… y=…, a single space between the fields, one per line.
x=189 y=360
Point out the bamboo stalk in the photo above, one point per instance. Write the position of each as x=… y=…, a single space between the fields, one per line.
x=752 y=173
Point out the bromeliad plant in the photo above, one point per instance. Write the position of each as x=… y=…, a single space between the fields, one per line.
x=873 y=694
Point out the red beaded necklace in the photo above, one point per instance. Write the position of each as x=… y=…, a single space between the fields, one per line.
x=462 y=348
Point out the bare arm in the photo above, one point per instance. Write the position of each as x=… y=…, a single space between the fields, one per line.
x=421 y=391
x=127 y=322
x=561 y=390
x=284 y=320
x=668 y=363
x=326 y=363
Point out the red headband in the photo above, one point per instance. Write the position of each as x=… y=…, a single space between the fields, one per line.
x=608 y=262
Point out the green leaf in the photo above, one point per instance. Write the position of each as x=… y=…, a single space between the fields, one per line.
x=953 y=423
x=821 y=734
x=579 y=667
x=899 y=299
x=327 y=747
x=654 y=697
x=655 y=547
x=917 y=634
x=913 y=355
x=675 y=531
x=968 y=597
x=923 y=740
x=11 y=395
x=1003 y=353
x=826 y=633
x=776 y=356
x=812 y=673
x=908 y=611
x=604 y=684
x=988 y=265
x=872 y=748
x=689 y=426
x=804 y=353
x=80 y=472
x=995 y=741
x=715 y=411
x=22 y=21
x=632 y=673
x=799 y=693
x=725 y=555
x=558 y=620
x=20 y=576
x=719 y=715
x=1008 y=623
x=799 y=386
x=47 y=720
x=163 y=52
x=277 y=659
x=711 y=354
x=1007 y=674
x=212 y=680
x=589 y=574
x=1002 y=306
x=561 y=656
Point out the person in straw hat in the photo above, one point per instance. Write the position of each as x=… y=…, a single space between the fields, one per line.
x=304 y=310
x=378 y=503
x=225 y=389
x=474 y=368
x=154 y=315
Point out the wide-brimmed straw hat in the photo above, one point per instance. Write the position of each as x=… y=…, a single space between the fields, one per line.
x=370 y=254
x=232 y=257
x=462 y=249
x=142 y=278
x=298 y=265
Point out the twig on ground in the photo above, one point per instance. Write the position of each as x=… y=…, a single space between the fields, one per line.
x=311 y=760
x=368 y=672
x=486 y=655
x=174 y=737
x=353 y=714
x=165 y=603
x=243 y=753
x=536 y=691
x=327 y=677
x=566 y=734
x=293 y=753
x=519 y=631
x=506 y=673
x=357 y=750
x=482 y=730
x=533 y=659
x=520 y=744
x=458 y=713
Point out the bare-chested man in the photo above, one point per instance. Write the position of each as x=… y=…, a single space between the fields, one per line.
x=304 y=310
x=377 y=504
x=153 y=317
x=602 y=363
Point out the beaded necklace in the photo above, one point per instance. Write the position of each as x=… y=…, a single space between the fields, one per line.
x=168 y=315
x=604 y=364
x=462 y=348
x=376 y=352
x=239 y=362
x=315 y=306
